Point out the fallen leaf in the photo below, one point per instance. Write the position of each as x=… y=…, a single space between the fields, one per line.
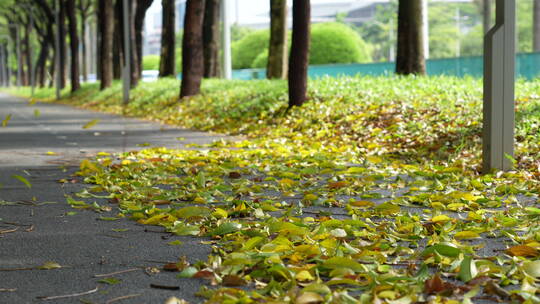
x=522 y=250
x=49 y=266
x=233 y=281
x=309 y=298
x=23 y=180
x=110 y=281
x=6 y=120
x=91 y=123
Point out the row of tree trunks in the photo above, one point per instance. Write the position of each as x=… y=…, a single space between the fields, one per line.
x=140 y=7
x=167 y=62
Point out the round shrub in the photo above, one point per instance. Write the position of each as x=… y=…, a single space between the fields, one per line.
x=337 y=43
x=261 y=61
x=248 y=48
x=150 y=62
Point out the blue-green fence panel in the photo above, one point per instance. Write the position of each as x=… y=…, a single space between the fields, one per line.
x=527 y=66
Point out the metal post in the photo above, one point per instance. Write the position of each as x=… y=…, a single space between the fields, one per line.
x=19 y=59
x=499 y=82
x=127 y=51
x=227 y=65
x=57 y=49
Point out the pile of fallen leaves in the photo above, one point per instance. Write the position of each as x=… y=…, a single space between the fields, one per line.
x=369 y=193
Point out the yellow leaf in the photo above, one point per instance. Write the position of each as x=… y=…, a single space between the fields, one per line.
x=441 y=219
x=37 y=113
x=466 y=235
x=23 y=180
x=362 y=204
x=49 y=266
x=90 y=124
x=51 y=153
x=304 y=275
x=374 y=159
x=287 y=182
x=220 y=213
x=309 y=298
x=6 y=120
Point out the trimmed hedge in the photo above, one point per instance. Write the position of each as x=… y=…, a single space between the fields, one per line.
x=248 y=48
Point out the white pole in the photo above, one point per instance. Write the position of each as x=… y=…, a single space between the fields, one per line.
x=227 y=63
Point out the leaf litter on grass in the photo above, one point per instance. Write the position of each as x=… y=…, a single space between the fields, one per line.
x=398 y=156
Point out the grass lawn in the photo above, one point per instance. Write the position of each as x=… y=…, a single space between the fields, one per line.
x=370 y=192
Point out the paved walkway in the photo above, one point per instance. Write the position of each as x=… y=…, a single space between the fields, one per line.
x=37 y=226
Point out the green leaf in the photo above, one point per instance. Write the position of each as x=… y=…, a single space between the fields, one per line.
x=225 y=228
x=343 y=262
x=37 y=113
x=175 y=243
x=532 y=268
x=108 y=218
x=183 y=229
x=23 y=180
x=110 y=281
x=6 y=120
x=193 y=211
x=187 y=272
x=442 y=249
x=467 y=269
x=49 y=266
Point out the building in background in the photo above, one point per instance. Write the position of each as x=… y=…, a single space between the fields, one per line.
x=152 y=26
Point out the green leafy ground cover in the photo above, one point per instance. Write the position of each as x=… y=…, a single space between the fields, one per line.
x=369 y=193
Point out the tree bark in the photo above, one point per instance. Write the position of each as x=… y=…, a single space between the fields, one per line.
x=84 y=54
x=211 y=38
x=277 y=51
x=141 y=6
x=106 y=21
x=192 y=49
x=410 y=51
x=536 y=26
x=118 y=40
x=486 y=12
x=74 y=45
x=167 y=65
x=63 y=50
x=299 y=60
x=135 y=58
x=26 y=55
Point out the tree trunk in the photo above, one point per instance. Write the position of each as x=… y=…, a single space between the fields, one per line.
x=192 y=49
x=118 y=40
x=277 y=51
x=167 y=65
x=486 y=12
x=84 y=54
x=63 y=50
x=74 y=45
x=141 y=6
x=26 y=55
x=106 y=48
x=41 y=67
x=211 y=38
x=135 y=58
x=299 y=60
x=536 y=26
x=410 y=49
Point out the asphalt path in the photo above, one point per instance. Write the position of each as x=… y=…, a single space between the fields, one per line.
x=38 y=228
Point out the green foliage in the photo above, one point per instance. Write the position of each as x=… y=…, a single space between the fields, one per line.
x=150 y=62
x=239 y=32
x=261 y=60
x=337 y=43
x=248 y=48
x=178 y=59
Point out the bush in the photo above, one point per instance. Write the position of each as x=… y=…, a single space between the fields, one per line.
x=150 y=62
x=337 y=43
x=261 y=61
x=248 y=48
